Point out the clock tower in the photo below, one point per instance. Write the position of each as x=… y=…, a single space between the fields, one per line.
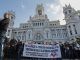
x=40 y=9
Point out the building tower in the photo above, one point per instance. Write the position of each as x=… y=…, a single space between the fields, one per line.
x=68 y=10
x=40 y=9
x=40 y=12
x=71 y=22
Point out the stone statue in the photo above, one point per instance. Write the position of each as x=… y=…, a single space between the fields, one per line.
x=3 y=28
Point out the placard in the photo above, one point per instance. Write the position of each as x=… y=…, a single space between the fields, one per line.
x=42 y=51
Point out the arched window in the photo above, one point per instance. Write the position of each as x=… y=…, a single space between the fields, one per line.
x=36 y=24
x=69 y=11
x=40 y=12
x=29 y=35
x=47 y=34
x=70 y=30
x=40 y=24
x=75 y=29
x=24 y=36
x=38 y=36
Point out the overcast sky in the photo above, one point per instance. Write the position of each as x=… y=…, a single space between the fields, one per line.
x=25 y=8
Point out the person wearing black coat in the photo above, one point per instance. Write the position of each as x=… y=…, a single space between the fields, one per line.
x=62 y=50
x=19 y=50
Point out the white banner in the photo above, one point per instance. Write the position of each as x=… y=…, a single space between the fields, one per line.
x=42 y=51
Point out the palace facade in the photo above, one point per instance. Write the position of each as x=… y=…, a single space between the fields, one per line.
x=39 y=29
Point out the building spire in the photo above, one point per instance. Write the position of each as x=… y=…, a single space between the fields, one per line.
x=69 y=5
x=65 y=5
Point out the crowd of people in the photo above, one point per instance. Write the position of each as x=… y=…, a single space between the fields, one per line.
x=13 y=49
x=70 y=50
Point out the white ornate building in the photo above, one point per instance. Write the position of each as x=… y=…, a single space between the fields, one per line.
x=40 y=29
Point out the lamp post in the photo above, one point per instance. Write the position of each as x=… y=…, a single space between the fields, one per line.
x=3 y=28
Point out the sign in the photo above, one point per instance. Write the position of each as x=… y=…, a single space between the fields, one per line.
x=42 y=51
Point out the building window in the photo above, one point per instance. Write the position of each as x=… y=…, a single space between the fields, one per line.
x=69 y=11
x=70 y=16
x=53 y=35
x=51 y=24
x=47 y=34
x=40 y=12
x=29 y=36
x=40 y=24
x=53 y=30
x=75 y=29
x=22 y=37
x=15 y=33
x=33 y=24
x=79 y=16
x=65 y=12
x=69 y=26
x=38 y=36
x=70 y=30
x=36 y=24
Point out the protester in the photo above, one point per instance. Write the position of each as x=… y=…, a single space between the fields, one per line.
x=19 y=50
x=70 y=51
x=14 y=49
x=5 y=51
